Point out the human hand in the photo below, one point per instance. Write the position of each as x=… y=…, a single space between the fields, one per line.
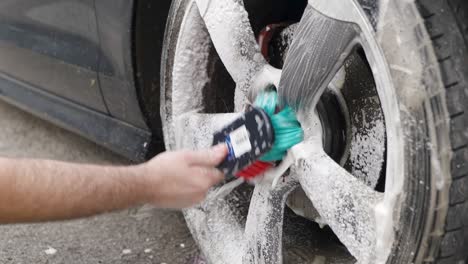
x=182 y=179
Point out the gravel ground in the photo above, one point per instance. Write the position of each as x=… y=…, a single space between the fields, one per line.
x=140 y=235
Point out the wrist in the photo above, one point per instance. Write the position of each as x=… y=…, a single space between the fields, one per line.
x=146 y=179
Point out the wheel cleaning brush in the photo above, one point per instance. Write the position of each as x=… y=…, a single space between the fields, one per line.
x=260 y=138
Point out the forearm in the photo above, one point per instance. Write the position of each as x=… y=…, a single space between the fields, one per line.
x=32 y=190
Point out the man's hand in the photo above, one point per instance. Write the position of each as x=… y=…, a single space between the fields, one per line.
x=182 y=179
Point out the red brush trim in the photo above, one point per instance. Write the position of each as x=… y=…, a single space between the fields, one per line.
x=257 y=168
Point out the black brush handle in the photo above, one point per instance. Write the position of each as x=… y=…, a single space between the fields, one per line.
x=248 y=138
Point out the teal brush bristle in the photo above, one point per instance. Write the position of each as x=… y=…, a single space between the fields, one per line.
x=288 y=130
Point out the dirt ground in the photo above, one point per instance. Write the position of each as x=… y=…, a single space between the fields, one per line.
x=141 y=235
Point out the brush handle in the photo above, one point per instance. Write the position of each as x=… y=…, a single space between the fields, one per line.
x=247 y=138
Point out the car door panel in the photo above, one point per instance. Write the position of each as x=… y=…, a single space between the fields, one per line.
x=52 y=45
x=116 y=73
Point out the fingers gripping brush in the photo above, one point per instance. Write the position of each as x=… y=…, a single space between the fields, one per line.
x=260 y=138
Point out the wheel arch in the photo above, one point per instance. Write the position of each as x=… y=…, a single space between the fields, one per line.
x=149 y=24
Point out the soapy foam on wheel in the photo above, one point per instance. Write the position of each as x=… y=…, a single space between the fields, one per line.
x=193 y=48
x=367 y=147
x=219 y=219
x=229 y=27
x=228 y=225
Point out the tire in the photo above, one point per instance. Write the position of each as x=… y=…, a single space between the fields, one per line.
x=447 y=24
x=425 y=45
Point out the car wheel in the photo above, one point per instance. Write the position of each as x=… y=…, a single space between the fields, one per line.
x=382 y=100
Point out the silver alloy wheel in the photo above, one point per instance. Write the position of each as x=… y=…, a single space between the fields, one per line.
x=361 y=217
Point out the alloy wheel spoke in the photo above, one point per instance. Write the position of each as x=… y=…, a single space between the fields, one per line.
x=228 y=23
x=321 y=45
x=264 y=227
x=214 y=216
x=217 y=217
x=346 y=204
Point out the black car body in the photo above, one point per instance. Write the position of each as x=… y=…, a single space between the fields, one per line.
x=90 y=66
